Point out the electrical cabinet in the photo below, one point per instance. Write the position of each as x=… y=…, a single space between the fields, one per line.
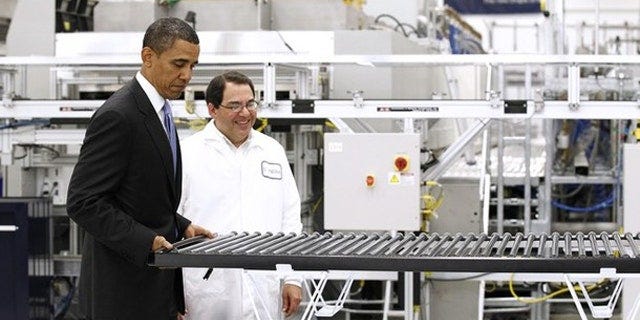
x=372 y=181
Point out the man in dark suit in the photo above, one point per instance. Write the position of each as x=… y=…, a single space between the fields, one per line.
x=125 y=189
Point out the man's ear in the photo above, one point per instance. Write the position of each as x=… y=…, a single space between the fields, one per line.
x=212 y=110
x=146 y=55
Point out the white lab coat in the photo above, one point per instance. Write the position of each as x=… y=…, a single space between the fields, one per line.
x=224 y=189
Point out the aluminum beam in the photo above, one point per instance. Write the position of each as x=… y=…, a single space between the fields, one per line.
x=379 y=109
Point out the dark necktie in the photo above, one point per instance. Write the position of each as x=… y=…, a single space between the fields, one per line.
x=171 y=133
x=170 y=128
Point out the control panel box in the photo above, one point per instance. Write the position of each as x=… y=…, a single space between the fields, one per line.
x=372 y=181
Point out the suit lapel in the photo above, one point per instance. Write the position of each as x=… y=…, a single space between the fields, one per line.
x=158 y=135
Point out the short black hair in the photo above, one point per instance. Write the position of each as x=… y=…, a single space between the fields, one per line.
x=161 y=34
x=215 y=89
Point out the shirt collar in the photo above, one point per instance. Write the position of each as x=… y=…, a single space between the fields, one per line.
x=213 y=134
x=156 y=99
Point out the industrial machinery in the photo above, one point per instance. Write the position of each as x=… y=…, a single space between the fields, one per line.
x=508 y=155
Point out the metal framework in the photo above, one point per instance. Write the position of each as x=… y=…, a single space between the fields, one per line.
x=602 y=253
x=494 y=106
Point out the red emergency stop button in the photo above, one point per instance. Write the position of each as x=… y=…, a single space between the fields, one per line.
x=370 y=181
x=401 y=163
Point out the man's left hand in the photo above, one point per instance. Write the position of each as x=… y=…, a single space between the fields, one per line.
x=291 y=296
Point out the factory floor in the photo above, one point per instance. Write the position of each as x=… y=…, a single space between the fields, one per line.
x=573 y=316
x=577 y=317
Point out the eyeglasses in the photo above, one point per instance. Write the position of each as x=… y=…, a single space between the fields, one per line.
x=237 y=106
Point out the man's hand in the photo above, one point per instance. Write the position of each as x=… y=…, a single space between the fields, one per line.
x=159 y=243
x=195 y=230
x=291 y=296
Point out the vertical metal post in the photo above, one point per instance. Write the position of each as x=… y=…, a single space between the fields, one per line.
x=73 y=238
x=407 y=124
x=485 y=180
x=500 y=180
x=302 y=85
x=515 y=36
x=560 y=40
x=22 y=90
x=550 y=148
x=314 y=90
x=596 y=36
x=301 y=172
x=8 y=88
x=527 y=156
x=259 y=15
x=408 y=295
x=500 y=166
x=573 y=86
x=617 y=164
x=387 y=300
x=53 y=84
x=269 y=89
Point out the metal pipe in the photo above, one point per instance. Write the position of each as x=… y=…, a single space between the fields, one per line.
x=345 y=245
x=314 y=239
x=336 y=243
x=454 y=150
x=527 y=157
x=632 y=244
x=300 y=239
x=596 y=36
x=274 y=239
x=503 y=244
x=567 y=244
x=516 y=245
x=368 y=240
x=452 y=244
x=478 y=245
x=464 y=245
x=322 y=243
x=407 y=249
x=555 y=248
x=269 y=86
x=542 y=244
x=372 y=245
x=407 y=238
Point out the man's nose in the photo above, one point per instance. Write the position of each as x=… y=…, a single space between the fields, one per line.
x=186 y=74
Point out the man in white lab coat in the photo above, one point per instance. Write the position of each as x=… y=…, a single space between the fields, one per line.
x=237 y=179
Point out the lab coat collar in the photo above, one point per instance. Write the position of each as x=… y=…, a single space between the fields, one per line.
x=212 y=134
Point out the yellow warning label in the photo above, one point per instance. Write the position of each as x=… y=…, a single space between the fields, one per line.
x=394 y=179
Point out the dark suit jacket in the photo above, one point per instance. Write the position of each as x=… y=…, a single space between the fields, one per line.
x=122 y=194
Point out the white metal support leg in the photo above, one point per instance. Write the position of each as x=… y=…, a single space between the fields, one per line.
x=315 y=296
x=254 y=288
x=330 y=310
x=597 y=311
x=583 y=316
x=387 y=300
x=634 y=310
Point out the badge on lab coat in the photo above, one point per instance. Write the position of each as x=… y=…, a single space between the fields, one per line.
x=271 y=170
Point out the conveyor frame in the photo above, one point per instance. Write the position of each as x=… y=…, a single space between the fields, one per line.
x=578 y=257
